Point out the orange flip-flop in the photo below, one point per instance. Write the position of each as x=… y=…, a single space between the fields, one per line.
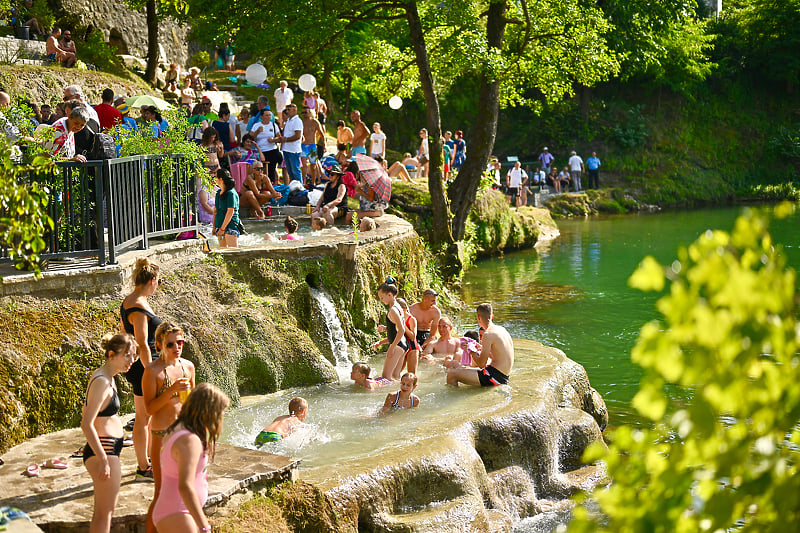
x=55 y=463
x=33 y=470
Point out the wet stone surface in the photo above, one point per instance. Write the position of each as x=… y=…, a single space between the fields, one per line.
x=62 y=500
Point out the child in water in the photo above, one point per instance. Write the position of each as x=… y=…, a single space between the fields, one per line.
x=470 y=350
x=291 y=226
x=285 y=425
x=360 y=374
x=404 y=398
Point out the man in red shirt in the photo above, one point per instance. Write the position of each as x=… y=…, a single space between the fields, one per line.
x=108 y=114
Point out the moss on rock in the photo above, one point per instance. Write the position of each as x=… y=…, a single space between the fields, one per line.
x=247 y=325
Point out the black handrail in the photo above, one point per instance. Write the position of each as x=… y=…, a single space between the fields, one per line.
x=136 y=198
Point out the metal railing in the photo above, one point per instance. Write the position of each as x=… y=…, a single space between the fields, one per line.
x=136 y=198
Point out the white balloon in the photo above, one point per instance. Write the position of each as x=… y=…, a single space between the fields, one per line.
x=395 y=102
x=307 y=82
x=255 y=74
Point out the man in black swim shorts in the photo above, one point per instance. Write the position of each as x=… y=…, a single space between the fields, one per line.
x=498 y=345
x=427 y=315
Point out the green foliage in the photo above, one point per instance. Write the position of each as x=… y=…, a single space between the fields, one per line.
x=724 y=456
x=632 y=132
x=96 y=51
x=23 y=209
x=200 y=59
x=786 y=142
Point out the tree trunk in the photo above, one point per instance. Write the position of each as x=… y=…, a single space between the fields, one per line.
x=152 y=43
x=347 y=88
x=463 y=190
x=327 y=90
x=441 y=233
x=586 y=100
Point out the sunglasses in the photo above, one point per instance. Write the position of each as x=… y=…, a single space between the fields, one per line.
x=172 y=344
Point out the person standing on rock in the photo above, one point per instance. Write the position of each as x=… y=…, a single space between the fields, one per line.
x=576 y=168
x=593 y=164
x=427 y=315
x=189 y=445
x=166 y=383
x=360 y=134
x=103 y=428
x=138 y=319
x=497 y=344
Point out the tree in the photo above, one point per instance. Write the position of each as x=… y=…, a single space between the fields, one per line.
x=155 y=12
x=724 y=457
x=521 y=53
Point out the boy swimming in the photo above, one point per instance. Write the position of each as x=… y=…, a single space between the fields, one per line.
x=360 y=374
x=285 y=425
x=402 y=399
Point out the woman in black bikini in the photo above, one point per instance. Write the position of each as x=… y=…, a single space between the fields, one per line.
x=395 y=330
x=166 y=382
x=103 y=427
x=138 y=319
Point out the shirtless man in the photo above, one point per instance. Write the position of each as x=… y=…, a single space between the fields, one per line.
x=497 y=344
x=56 y=53
x=446 y=347
x=360 y=134
x=311 y=130
x=427 y=314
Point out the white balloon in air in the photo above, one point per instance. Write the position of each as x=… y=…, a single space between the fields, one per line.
x=395 y=102
x=307 y=82
x=255 y=74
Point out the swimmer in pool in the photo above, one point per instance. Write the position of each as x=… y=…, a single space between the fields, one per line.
x=404 y=398
x=285 y=425
x=291 y=226
x=495 y=343
x=470 y=351
x=360 y=375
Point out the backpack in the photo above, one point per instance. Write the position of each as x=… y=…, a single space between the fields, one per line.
x=103 y=147
x=298 y=198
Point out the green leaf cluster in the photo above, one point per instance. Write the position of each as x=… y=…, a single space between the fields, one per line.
x=23 y=208
x=723 y=452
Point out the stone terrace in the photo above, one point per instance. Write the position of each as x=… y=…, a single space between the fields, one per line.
x=61 y=501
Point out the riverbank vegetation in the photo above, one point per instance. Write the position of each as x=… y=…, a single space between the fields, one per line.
x=722 y=454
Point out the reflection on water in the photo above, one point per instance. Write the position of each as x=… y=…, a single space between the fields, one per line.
x=573 y=293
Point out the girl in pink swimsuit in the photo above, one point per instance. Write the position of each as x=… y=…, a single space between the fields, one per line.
x=188 y=443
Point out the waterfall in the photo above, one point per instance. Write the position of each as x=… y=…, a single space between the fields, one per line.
x=333 y=330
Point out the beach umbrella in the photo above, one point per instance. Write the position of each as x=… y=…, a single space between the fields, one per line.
x=147 y=100
x=376 y=176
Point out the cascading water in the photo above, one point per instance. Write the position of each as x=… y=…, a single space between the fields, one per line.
x=334 y=332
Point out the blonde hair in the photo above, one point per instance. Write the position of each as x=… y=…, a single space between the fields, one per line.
x=144 y=271
x=116 y=344
x=166 y=328
x=369 y=224
x=202 y=415
x=297 y=405
x=403 y=303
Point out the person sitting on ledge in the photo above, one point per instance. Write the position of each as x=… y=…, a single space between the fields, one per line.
x=497 y=344
x=285 y=425
x=56 y=53
x=399 y=169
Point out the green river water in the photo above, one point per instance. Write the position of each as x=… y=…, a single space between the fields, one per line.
x=572 y=293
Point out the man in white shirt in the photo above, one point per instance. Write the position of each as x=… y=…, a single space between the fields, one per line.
x=514 y=182
x=283 y=97
x=378 y=142
x=575 y=169
x=291 y=141
x=75 y=92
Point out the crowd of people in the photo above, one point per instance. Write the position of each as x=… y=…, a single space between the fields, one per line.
x=519 y=182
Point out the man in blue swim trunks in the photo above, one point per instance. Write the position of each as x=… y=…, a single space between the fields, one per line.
x=312 y=130
x=498 y=345
x=360 y=134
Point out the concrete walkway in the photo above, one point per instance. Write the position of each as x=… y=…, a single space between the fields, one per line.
x=62 y=500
